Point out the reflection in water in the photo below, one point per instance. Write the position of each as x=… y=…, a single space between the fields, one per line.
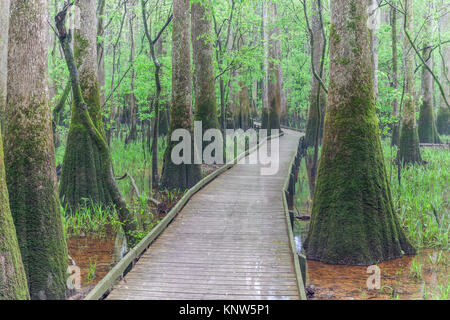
x=298 y=242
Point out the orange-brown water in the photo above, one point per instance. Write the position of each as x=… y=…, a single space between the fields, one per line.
x=95 y=258
x=400 y=279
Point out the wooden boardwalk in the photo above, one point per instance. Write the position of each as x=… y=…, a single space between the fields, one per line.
x=230 y=241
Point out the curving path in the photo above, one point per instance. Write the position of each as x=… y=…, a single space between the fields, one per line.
x=230 y=241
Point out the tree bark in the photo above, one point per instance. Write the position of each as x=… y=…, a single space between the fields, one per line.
x=30 y=155
x=395 y=112
x=182 y=176
x=13 y=283
x=409 y=151
x=264 y=89
x=443 y=115
x=314 y=109
x=82 y=176
x=427 y=127
x=4 y=27
x=273 y=80
x=97 y=137
x=132 y=99
x=204 y=80
x=353 y=218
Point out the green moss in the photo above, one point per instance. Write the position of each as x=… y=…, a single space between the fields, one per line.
x=353 y=221
x=443 y=121
x=207 y=113
x=409 y=151
x=13 y=283
x=426 y=125
x=178 y=177
x=80 y=47
x=343 y=60
x=31 y=181
x=333 y=34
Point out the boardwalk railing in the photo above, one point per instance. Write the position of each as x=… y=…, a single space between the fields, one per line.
x=288 y=194
x=127 y=263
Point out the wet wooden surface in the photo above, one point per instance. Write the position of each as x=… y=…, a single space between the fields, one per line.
x=230 y=241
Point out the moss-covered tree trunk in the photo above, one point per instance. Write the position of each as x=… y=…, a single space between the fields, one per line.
x=427 y=127
x=82 y=176
x=29 y=153
x=204 y=82
x=13 y=282
x=181 y=176
x=353 y=220
x=95 y=135
x=409 y=151
x=395 y=112
x=4 y=26
x=314 y=109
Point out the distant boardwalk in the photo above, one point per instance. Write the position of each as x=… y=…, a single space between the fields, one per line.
x=230 y=241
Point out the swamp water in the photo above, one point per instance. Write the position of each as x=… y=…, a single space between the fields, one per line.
x=423 y=276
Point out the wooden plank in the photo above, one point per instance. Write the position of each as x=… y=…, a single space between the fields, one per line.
x=231 y=240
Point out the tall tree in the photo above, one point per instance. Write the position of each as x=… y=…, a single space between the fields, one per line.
x=395 y=112
x=97 y=137
x=318 y=43
x=427 y=126
x=29 y=153
x=131 y=97
x=13 y=285
x=273 y=79
x=13 y=282
x=353 y=219
x=409 y=151
x=4 y=26
x=82 y=176
x=160 y=117
x=204 y=82
x=265 y=64
x=180 y=176
x=443 y=115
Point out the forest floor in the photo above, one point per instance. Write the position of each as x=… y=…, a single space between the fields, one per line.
x=423 y=207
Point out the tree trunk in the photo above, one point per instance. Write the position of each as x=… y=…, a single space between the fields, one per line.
x=30 y=155
x=13 y=285
x=443 y=115
x=395 y=111
x=182 y=176
x=132 y=101
x=409 y=151
x=353 y=219
x=97 y=137
x=204 y=82
x=427 y=128
x=273 y=80
x=101 y=51
x=313 y=112
x=4 y=26
x=264 y=89
x=82 y=176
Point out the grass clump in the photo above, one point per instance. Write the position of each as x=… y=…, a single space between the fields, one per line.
x=421 y=199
